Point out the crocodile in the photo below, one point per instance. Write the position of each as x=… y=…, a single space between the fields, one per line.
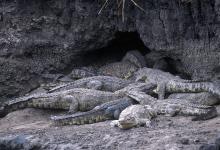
x=83 y=72
x=51 y=85
x=135 y=116
x=174 y=107
x=168 y=83
x=203 y=98
x=122 y=69
x=107 y=111
x=105 y=83
x=148 y=88
x=78 y=99
x=130 y=63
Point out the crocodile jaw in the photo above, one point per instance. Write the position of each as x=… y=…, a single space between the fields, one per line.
x=127 y=124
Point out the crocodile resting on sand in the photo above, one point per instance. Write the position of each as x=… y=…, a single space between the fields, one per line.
x=174 y=107
x=203 y=98
x=168 y=83
x=142 y=115
x=110 y=110
x=83 y=72
x=106 y=111
x=78 y=99
x=130 y=63
x=105 y=83
x=135 y=116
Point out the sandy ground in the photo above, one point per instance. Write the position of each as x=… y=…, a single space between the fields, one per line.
x=170 y=133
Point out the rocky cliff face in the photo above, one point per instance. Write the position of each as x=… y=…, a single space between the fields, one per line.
x=42 y=36
x=188 y=31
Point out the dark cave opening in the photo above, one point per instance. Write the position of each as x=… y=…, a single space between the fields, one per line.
x=116 y=49
x=119 y=46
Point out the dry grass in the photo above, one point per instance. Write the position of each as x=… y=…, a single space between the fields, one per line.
x=121 y=6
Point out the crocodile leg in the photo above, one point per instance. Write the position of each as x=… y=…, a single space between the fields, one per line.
x=62 y=102
x=74 y=103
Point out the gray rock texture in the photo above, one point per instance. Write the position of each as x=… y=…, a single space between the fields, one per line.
x=39 y=36
x=188 y=31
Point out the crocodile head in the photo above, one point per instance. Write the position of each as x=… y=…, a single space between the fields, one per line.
x=127 y=122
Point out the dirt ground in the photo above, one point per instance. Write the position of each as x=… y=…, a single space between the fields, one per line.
x=170 y=133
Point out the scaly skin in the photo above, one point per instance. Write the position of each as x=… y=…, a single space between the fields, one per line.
x=105 y=83
x=173 y=84
x=130 y=63
x=83 y=72
x=175 y=106
x=123 y=69
x=77 y=99
x=134 y=116
x=106 y=111
x=138 y=86
x=203 y=98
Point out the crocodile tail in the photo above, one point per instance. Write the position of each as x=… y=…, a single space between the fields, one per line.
x=58 y=88
x=204 y=87
x=88 y=117
x=197 y=105
x=15 y=104
x=211 y=88
x=193 y=81
x=212 y=113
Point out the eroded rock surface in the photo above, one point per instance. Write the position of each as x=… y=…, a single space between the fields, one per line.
x=38 y=37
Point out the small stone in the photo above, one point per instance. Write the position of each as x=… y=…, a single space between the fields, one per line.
x=196 y=140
